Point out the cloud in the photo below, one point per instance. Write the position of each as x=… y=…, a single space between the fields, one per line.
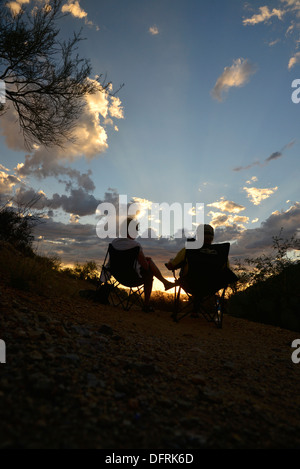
x=264 y=15
x=74 y=218
x=274 y=156
x=41 y=167
x=89 y=135
x=16 y=6
x=257 y=241
x=90 y=141
x=74 y=241
x=11 y=131
x=115 y=109
x=294 y=60
x=273 y=43
x=153 y=30
x=227 y=206
x=78 y=202
x=74 y=8
x=219 y=219
x=7 y=183
x=257 y=195
x=237 y=75
x=249 y=166
x=290 y=9
x=253 y=179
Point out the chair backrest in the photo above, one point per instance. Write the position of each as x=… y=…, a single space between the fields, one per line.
x=207 y=268
x=122 y=265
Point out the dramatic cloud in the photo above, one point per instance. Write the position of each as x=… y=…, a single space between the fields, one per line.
x=49 y=167
x=256 y=195
x=90 y=137
x=237 y=75
x=227 y=206
x=264 y=15
x=78 y=202
x=74 y=241
x=219 y=219
x=7 y=183
x=90 y=140
x=258 y=241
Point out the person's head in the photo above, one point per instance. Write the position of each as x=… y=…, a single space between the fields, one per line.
x=131 y=227
x=209 y=234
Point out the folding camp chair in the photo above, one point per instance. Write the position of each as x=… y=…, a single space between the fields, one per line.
x=205 y=284
x=119 y=269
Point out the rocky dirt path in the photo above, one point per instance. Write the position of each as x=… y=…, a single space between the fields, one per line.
x=80 y=375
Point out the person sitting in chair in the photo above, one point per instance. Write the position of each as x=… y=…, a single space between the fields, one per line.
x=146 y=268
x=180 y=261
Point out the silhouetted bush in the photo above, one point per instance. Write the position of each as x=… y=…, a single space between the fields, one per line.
x=87 y=271
x=16 y=229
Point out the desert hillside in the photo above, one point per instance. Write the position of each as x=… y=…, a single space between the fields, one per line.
x=84 y=375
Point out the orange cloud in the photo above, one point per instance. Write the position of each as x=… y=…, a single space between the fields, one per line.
x=256 y=195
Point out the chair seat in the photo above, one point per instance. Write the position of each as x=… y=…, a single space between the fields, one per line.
x=121 y=270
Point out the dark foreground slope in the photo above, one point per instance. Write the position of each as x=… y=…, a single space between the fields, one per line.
x=81 y=375
x=275 y=301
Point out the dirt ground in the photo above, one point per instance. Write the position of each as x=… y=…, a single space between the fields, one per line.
x=82 y=375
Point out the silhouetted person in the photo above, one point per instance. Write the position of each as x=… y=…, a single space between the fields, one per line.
x=180 y=261
x=146 y=268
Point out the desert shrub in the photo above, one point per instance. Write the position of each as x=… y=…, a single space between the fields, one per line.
x=252 y=271
x=17 y=223
x=15 y=229
x=88 y=271
x=162 y=301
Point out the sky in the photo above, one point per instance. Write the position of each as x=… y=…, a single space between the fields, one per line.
x=205 y=116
